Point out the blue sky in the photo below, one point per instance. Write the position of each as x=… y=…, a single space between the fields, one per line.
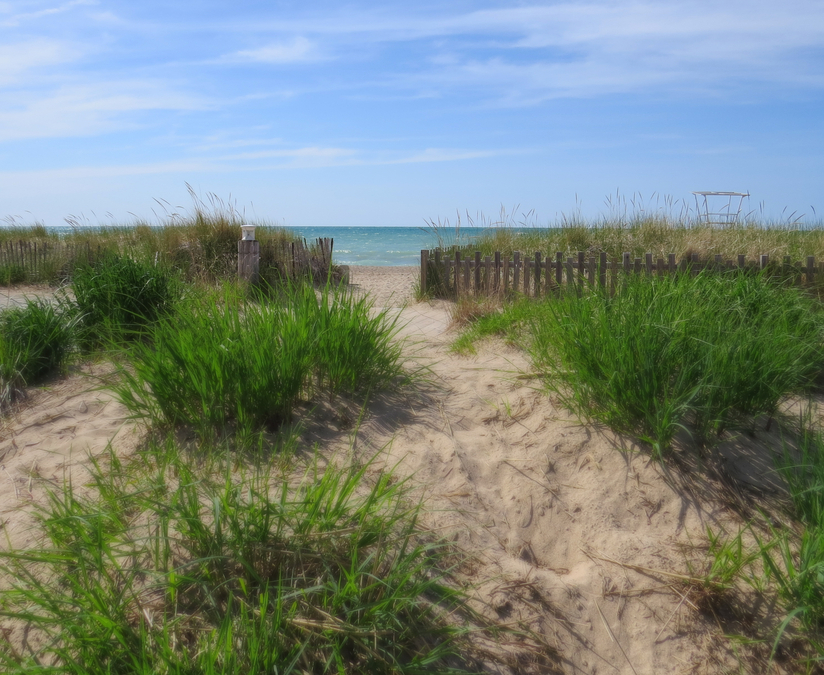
x=390 y=113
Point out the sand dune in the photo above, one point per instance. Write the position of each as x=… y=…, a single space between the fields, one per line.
x=546 y=507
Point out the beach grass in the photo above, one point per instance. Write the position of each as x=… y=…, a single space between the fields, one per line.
x=784 y=566
x=35 y=343
x=169 y=565
x=118 y=297
x=700 y=353
x=200 y=243
x=703 y=353
x=636 y=233
x=227 y=366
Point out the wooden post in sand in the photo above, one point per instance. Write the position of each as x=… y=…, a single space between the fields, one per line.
x=248 y=255
x=424 y=265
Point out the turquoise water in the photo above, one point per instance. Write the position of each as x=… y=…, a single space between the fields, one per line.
x=389 y=246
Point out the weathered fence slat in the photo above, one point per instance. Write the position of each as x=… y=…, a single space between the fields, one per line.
x=533 y=276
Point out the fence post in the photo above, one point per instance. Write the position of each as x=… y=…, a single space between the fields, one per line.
x=457 y=272
x=497 y=281
x=248 y=256
x=559 y=268
x=810 y=269
x=477 y=272
x=424 y=266
x=516 y=273
x=602 y=272
x=591 y=272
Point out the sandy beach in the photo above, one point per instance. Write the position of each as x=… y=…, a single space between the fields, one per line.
x=568 y=528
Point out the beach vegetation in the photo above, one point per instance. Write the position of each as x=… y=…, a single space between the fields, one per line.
x=35 y=343
x=169 y=565
x=698 y=353
x=118 y=297
x=199 y=243
x=223 y=365
x=480 y=317
x=638 y=228
x=703 y=352
x=784 y=564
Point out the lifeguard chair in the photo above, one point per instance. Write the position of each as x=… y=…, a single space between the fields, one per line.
x=722 y=215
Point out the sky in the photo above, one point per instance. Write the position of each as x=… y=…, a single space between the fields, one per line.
x=395 y=113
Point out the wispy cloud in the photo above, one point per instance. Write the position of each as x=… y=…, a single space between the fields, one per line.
x=18 y=60
x=295 y=50
x=90 y=109
x=16 y=18
x=286 y=158
x=541 y=51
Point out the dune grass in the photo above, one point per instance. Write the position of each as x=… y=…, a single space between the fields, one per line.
x=784 y=566
x=638 y=232
x=35 y=343
x=223 y=365
x=168 y=565
x=200 y=243
x=480 y=318
x=703 y=352
x=794 y=561
x=118 y=297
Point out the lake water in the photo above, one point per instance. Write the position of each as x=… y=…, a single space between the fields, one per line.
x=381 y=245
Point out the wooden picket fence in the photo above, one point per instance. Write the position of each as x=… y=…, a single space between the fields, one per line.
x=32 y=261
x=448 y=274
x=35 y=260
x=298 y=259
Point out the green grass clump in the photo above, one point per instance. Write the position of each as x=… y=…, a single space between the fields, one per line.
x=666 y=353
x=35 y=341
x=785 y=565
x=354 y=347
x=11 y=274
x=216 y=362
x=220 y=364
x=796 y=563
x=162 y=569
x=119 y=296
x=482 y=321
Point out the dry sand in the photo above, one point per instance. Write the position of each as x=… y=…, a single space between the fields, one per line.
x=545 y=506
